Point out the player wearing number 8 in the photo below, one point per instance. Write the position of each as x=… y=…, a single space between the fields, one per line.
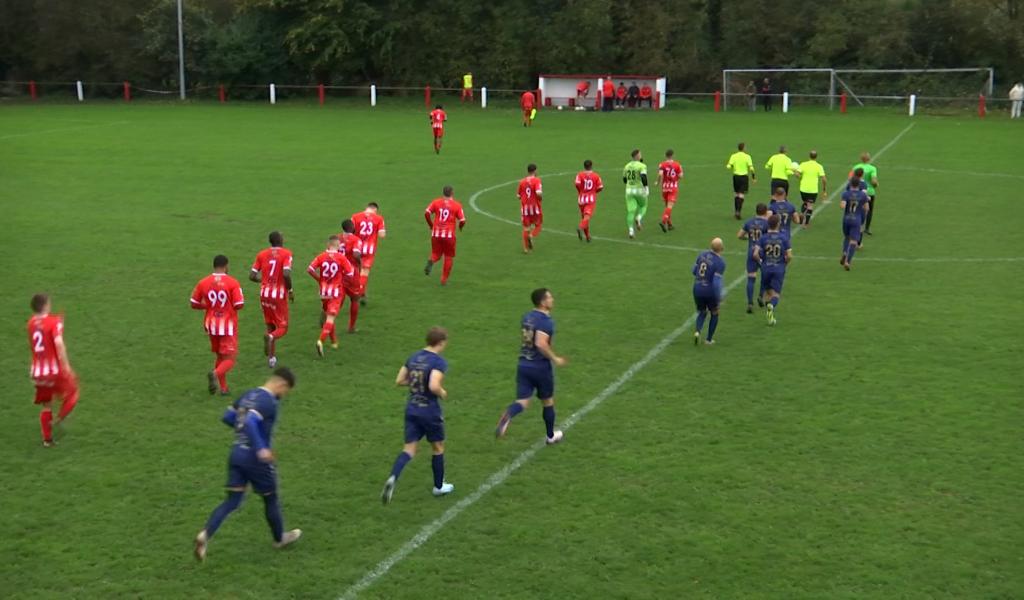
x=221 y=297
x=50 y=369
x=707 y=288
x=330 y=269
x=442 y=215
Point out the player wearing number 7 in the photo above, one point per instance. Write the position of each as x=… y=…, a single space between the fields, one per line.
x=441 y=215
x=221 y=297
x=273 y=269
x=330 y=269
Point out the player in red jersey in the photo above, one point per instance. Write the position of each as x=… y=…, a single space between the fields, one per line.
x=529 y=194
x=349 y=246
x=369 y=226
x=50 y=368
x=588 y=185
x=437 y=119
x=528 y=102
x=442 y=214
x=670 y=173
x=273 y=270
x=221 y=297
x=329 y=269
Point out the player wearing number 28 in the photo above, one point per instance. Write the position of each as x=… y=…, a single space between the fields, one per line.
x=442 y=215
x=221 y=297
x=50 y=368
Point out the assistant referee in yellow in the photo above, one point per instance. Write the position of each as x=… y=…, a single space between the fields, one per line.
x=467 y=87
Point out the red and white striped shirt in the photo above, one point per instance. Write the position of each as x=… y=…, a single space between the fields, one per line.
x=330 y=269
x=271 y=263
x=442 y=215
x=588 y=184
x=529 y=193
x=368 y=226
x=670 y=172
x=221 y=297
x=43 y=333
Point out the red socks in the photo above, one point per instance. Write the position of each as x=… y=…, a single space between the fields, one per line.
x=666 y=217
x=353 y=314
x=447 y=269
x=585 y=226
x=526 y=240
x=67 y=406
x=362 y=283
x=46 y=423
x=328 y=331
x=536 y=230
x=223 y=365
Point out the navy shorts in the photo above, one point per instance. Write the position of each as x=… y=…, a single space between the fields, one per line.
x=772 y=280
x=851 y=229
x=244 y=471
x=530 y=379
x=705 y=302
x=419 y=426
x=752 y=265
x=741 y=184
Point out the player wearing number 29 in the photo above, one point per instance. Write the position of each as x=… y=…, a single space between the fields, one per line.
x=221 y=297
x=330 y=268
x=530 y=197
x=369 y=227
x=442 y=215
x=707 y=288
x=251 y=461
x=588 y=186
x=670 y=173
x=273 y=270
x=423 y=373
x=50 y=368
x=437 y=119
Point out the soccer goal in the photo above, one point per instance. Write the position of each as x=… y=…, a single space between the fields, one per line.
x=584 y=91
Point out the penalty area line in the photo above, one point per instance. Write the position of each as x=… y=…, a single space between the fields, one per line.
x=500 y=476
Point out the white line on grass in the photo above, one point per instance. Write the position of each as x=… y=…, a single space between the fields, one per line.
x=499 y=477
x=61 y=130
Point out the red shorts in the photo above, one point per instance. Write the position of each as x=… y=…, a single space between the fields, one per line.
x=224 y=344
x=532 y=220
x=441 y=247
x=275 y=312
x=438 y=132
x=527 y=111
x=46 y=389
x=332 y=305
x=587 y=210
x=669 y=195
x=366 y=262
x=352 y=288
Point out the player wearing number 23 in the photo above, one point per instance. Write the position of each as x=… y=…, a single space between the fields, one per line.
x=221 y=297
x=707 y=288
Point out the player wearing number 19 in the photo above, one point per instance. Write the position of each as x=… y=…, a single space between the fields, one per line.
x=707 y=288
x=273 y=269
x=634 y=175
x=50 y=368
x=442 y=215
x=221 y=297
x=424 y=374
x=773 y=253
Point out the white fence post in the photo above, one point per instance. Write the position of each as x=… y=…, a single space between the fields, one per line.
x=913 y=104
x=483 y=97
x=78 y=88
x=785 y=102
x=373 y=94
x=273 y=94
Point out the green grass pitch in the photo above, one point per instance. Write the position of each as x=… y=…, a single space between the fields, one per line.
x=869 y=446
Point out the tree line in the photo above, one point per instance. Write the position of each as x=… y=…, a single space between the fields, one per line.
x=505 y=43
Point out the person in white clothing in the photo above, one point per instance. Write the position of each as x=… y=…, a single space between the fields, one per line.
x=1016 y=99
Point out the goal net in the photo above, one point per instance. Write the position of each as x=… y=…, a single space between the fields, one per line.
x=584 y=91
x=743 y=89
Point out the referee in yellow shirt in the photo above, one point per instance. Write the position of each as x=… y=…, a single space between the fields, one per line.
x=467 y=87
x=781 y=167
x=742 y=167
x=812 y=185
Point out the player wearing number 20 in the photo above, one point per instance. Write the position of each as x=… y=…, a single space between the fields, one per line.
x=273 y=270
x=773 y=253
x=330 y=269
x=442 y=215
x=221 y=297
x=50 y=369
x=707 y=288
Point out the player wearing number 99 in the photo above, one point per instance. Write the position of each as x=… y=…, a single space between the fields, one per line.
x=251 y=461
x=707 y=288
x=773 y=253
x=424 y=373
x=221 y=297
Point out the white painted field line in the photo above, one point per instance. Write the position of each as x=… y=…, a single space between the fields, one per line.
x=61 y=130
x=499 y=477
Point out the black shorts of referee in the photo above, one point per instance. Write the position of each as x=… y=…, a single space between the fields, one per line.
x=741 y=184
x=780 y=183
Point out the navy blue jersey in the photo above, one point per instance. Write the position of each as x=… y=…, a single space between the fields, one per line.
x=422 y=401
x=785 y=210
x=773 y=247
x=533 y=322
x=856 y=205
x=755 y=228
x=861 y=185
x=260 y=404
x=707 y=273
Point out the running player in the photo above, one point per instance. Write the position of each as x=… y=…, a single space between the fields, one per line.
x=437 y=120
x=50 y=368
x=273 y=270
x=780 y=166
x=788 y=215
x=530 y=195
x=349 y=246
x=742 y=167
x=251 y=461
x=527 y=102
x=707 y=288
x=535 y=372
x=812 y=185
x=752 y=231
x=221 y=297
x=588 y=186
x=424 y=374
x=442 y=214
x=329 y=269
x=634 y=175
x=369 y=227
x=871 y=180
x=773 y=253
x=856 y=205
x=670 y=173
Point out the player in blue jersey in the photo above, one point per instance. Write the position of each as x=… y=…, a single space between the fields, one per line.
x=536 y=361
x=707 y=288
x=424 y=374
x=773 y=253
x=752 y=231
x=855 y=204
x=251 y=461
x=788 y=215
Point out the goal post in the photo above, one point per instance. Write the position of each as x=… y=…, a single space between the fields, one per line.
x=817 y=83
x=562 y=90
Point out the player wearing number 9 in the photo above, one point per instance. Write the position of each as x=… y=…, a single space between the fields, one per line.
x=220 y=295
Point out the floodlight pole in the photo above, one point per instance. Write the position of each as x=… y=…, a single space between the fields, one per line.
x=181 y=54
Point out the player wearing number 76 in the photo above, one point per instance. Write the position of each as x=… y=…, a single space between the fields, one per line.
x=221 y=297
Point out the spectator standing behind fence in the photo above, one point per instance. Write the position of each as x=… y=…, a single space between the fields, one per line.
x=467 y=87
x=751 y=96
x=646 y=94
x=1016 y=99
x=582 y=91
x=766 y=94
x=608 y=94
x=634 y=95
x=620 y=95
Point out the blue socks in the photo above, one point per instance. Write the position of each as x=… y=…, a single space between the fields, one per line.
x=852 y=248
x=549 y=420
x=714 y=318
x=750 y=290
x=233 y=501
x=514 y=409
x=272 y=510
x=400 y=462
x=437 y=464
x=700 y=319
x=774 y=302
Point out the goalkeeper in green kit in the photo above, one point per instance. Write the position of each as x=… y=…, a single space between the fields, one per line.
x=635 y=178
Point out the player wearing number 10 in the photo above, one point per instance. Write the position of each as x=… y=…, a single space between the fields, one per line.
x=442 y=214
x=273 y=269
x=588 y=186
x=752 y=231
x=221 y=297
x=50 y=369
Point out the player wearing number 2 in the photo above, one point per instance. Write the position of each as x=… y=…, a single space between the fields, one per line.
x=329 y=269
x=369 y=227
x=50 y=369
x=221 y=297
x=273 y=270
x=588 y=186
x=442 y=215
